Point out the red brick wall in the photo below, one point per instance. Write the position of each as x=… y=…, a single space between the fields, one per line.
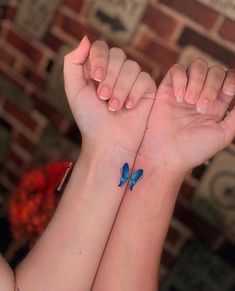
x=164 y=32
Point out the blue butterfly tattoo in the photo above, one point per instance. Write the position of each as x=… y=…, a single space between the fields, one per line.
x=134 y=178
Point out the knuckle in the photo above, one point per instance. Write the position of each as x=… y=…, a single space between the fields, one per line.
x=117 y=53
x=218 y=70
x=178 y=73
x=99 y=43
x=133 y=65
x=148 y=80
x=178 y=67
x=201 y=61
x=145 y=76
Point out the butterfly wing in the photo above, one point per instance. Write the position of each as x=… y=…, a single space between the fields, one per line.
x=135 y=177
x=125 y=173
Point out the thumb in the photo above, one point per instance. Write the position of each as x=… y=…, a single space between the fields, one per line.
x=73 y=68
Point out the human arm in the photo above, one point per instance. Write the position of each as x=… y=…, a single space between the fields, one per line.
x=178 y=137
x=6 y=276
x=67 y=255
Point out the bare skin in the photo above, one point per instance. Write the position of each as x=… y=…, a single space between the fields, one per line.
x=179 y=136
x=100 y=83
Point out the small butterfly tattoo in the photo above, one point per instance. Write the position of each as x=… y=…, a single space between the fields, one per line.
x=134 y=178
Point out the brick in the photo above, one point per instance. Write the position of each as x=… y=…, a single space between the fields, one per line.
x=147 y=67
x=199 y=226
x=194 y=10
x=20 y=115
x=11 y=176
x=76 y=29
x=2 y=11
x=55 y=117
x=53 y=41
x=25 y=47
x=6 y=56
x=15 y=158
x=35 y=78
x=12 y=78
x=164 y=25
x=10 y=13
x=75 y=5
x=161 y=54
x=227 y=30
x=191 y=37
x=24 y=142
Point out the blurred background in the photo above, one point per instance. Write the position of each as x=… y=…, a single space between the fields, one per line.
x=38 y=136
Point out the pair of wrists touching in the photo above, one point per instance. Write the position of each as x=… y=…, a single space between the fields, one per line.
x=130 y=130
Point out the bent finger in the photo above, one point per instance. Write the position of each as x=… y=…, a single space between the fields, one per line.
x=98 y=60
x=211 y=88
x=115 y=62
x=144 y=86
x=197 y=76
x=126 y=78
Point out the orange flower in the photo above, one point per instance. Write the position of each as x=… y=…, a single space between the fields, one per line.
x=34 y=201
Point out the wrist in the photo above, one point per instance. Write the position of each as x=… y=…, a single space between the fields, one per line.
x=99 y=165
x=92 y=151
x=161 y=168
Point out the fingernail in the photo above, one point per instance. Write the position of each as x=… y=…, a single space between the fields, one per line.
x=191 y=97
x=179 y=99
x=203 y=105
x=114 y=104
x=179 y=94
x=229 y=90
x=98 y=75
x=129 y=104
x=104 y=92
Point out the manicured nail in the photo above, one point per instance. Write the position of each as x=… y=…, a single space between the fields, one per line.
x=104 y=92
x=129 y=104
x=203 y=106
x=114 y=104
x=179 y=99
x=191 y=97
x=98 y=75
x=229 y=90
x=179 y=95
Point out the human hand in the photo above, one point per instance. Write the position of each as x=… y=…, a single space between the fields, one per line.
x=181 y=135
x=123 y=81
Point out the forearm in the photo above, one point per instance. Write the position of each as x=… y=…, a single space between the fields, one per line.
x=67 y=255
x=132 y=256
x=6 y=276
